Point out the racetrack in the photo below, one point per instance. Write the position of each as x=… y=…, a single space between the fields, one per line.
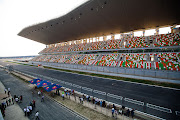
x=145 y=96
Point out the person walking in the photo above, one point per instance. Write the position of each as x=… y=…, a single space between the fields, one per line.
x=37 y=115
x=21 y=98
x=42 y=98
x=34 y=103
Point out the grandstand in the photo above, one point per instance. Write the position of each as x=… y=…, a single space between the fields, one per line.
x=144 y=52
x=114 y=37
x=155 y=51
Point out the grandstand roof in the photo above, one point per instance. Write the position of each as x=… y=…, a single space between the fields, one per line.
x=103 y=17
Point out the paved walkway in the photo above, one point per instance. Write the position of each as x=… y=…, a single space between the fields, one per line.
x=12 y=112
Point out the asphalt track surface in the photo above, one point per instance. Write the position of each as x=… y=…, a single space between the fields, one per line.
x=48 y=110
x=163 y=97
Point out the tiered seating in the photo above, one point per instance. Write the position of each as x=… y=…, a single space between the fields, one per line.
x=73 y=59
x=95 y=45
x=80 y=47
x=171 y=39
x=88 y=59
x=41 y=58
x=136 y=42
x=168 y=61
x=63 y=58
x=135 y=61
x=112 y=44
x=54 y=58
x=108 y=60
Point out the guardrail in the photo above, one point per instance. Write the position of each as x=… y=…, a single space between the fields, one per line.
x=92 y=92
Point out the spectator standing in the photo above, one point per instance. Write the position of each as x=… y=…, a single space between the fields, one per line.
x=30 y=108
x=87 y=97
x=113 y=112
x=116 y=113
x=132 y=113
x=16 y=99
x=5 y=90
x=63 y=96
x=9 y=101
x=9 y=91
x=69 y=94
x=128 y=112
x=101 y=103
x=37 y=115
x=120 y=111
x=39 y=93
x=25 y=112
x=81 y=100
x=65 y=91
x=28 y=111
x=12 y=100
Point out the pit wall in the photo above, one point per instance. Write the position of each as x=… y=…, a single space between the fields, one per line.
x=129 y=71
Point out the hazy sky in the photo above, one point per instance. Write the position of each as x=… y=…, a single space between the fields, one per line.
x=18 y=14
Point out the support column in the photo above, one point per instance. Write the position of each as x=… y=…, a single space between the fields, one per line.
x=104 y=38
x=97 y=39
x=172 y=28
x=143 y=33
x=112 y=37
x=157 y=30
x=132 y=33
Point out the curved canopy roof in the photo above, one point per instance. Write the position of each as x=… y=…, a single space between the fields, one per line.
x=103 y=17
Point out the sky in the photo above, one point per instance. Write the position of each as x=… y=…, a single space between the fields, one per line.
x=18 y=14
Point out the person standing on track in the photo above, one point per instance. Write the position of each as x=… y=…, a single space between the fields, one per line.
x=37 y=115
x=42 y=98
x=39 y=93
